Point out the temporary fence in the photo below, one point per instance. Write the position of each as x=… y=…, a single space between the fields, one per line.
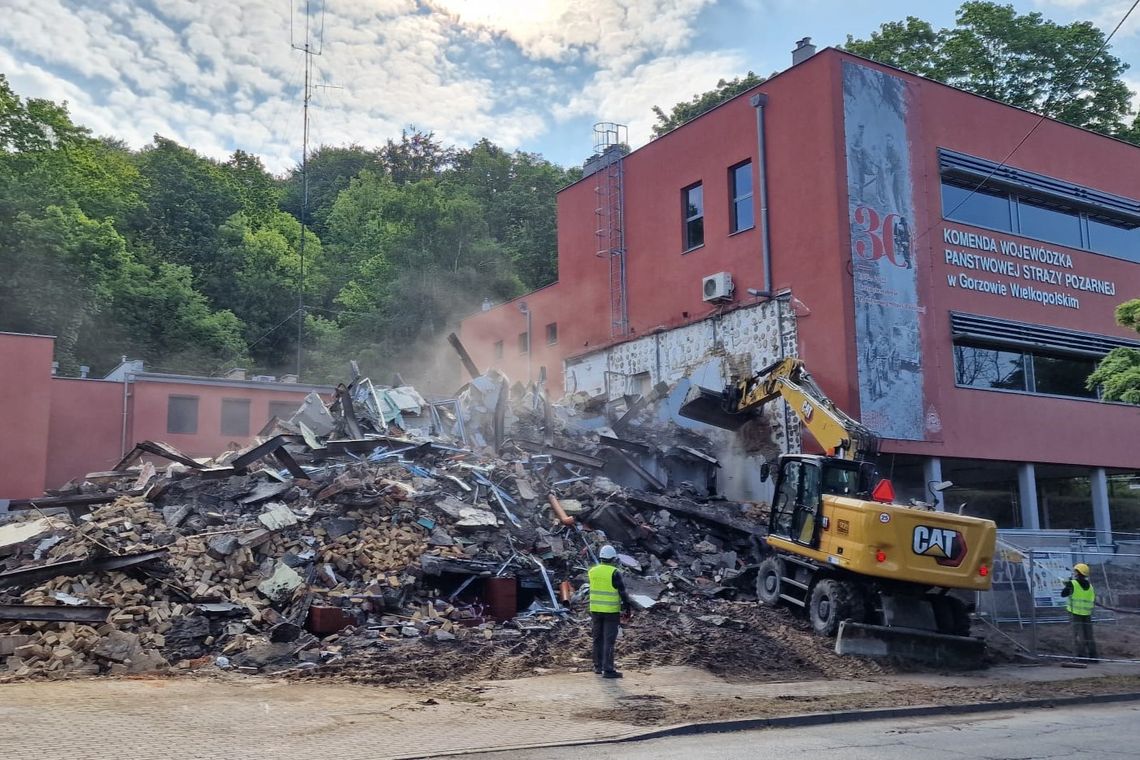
x=1026 y=605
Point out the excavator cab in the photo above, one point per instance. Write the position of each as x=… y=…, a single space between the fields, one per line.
x=798 y=500
x=801 y=482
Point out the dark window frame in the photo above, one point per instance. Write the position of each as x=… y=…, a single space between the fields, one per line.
x=191 y=429
x=735 y=200
x=1029 y=358
x=691 y=222
x=499 y=349
x=552 y=333
x=235 y=430
x=524 y=343
x=1090 y=207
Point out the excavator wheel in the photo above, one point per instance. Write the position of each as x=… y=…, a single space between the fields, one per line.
x=768 y=581
x=951 y=615
x=833 y=601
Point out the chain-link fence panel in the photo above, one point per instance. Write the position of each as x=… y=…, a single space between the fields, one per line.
x=1026 y=602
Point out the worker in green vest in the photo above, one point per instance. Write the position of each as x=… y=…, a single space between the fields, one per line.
x=1082 y=598
x=608 y=600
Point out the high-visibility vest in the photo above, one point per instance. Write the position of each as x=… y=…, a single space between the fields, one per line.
x=1082 y=599
x=604 y=595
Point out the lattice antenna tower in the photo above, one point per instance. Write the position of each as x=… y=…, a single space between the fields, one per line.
x=311 y=47
x=611 y=142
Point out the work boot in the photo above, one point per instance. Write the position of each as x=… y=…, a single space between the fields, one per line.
x=597 y=671
x=611 y=674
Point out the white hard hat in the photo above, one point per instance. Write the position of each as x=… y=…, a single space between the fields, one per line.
x=608 y=552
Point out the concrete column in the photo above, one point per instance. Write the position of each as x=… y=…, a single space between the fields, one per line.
x=1027 y=495
x=932 y=473
x=1102 y=520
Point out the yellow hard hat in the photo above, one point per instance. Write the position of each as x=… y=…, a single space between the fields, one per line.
x=1082 y=568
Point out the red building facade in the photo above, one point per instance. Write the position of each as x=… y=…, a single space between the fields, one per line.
x=949 y=290
x=61 y=428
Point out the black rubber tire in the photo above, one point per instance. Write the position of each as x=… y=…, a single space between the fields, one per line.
x=833 y=601
x=951 y=615
x=768 y=581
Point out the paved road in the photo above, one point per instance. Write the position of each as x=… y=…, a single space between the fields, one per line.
x=1095 y=732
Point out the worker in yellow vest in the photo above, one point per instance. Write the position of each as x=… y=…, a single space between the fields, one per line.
x=608 y=600
x=1082 y=598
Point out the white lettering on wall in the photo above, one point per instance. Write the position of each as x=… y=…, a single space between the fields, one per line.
x=1035 y=276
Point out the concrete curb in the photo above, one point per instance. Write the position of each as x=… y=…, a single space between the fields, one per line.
x=805 y=719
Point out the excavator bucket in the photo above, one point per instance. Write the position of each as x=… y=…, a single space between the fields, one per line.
x=708 y=407
x=910 y=644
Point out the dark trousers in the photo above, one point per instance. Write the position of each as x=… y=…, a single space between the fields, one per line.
x=1084 y=645
x=605 y=636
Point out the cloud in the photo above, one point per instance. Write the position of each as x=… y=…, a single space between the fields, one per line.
x=219 y=75
x=629 y=98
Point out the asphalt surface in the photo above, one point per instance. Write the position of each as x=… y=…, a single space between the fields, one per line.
x=1102 y=732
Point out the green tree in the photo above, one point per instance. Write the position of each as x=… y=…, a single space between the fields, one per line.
x=187 y=198
x=1026 y=60
x=699 y=104
x=1118 y=374
x=330 y=170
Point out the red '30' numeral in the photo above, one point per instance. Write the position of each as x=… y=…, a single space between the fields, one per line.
x=874 y=237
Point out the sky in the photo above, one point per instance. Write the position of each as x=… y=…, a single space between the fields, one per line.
x=534 y=75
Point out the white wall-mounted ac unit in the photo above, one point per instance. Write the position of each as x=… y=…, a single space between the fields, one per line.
x=717 y=287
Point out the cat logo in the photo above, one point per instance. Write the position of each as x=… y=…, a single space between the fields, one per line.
x=807 y=410
x=945 y=545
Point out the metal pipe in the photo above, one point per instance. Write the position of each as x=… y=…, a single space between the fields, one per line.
x=123 y=435
x=758 y=101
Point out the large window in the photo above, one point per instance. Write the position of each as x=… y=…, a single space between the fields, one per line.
x=1002 y=198
x=983 y=208
x=182 y=414
x=740 y=189
x=1016 y=369
x=235 y=416
x=693 y=206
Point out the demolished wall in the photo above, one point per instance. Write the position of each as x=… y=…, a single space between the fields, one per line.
x=708 y=354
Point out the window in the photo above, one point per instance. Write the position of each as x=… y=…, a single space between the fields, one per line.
x=1002 y=198
x=1028 y=371
x=524 y=343
x=182 y=414
x=282 y=410
x=552 y=333
x=1118 y=239
x=980 y=367
x=1046 y=222
x=235 y=416
x=498 y=349
x=740 y=190
x=693 y=211
x=984 y=208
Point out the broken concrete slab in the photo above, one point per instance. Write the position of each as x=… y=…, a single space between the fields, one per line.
x=281 y=584
x=277 y=516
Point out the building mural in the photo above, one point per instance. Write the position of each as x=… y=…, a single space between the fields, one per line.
x=882 y=215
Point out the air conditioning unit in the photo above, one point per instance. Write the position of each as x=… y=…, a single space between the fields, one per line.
x=717 y=287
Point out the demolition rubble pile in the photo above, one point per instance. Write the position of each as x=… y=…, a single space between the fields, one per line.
x=379 y=519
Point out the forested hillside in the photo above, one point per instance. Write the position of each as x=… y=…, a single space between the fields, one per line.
x=193 y=265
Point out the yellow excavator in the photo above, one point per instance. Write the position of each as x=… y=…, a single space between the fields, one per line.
x=874 y=573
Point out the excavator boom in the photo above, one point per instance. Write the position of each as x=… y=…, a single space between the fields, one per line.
x=744 y=400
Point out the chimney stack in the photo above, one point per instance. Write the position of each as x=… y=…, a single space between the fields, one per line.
x=83 y=371
x=804 y=50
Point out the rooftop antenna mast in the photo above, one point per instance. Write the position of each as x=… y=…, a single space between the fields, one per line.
x=310 y=50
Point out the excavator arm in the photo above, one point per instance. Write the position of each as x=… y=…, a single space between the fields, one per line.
x=744 y=400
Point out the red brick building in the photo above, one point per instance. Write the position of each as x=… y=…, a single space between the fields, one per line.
x=59 y=428
x=950 y=291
